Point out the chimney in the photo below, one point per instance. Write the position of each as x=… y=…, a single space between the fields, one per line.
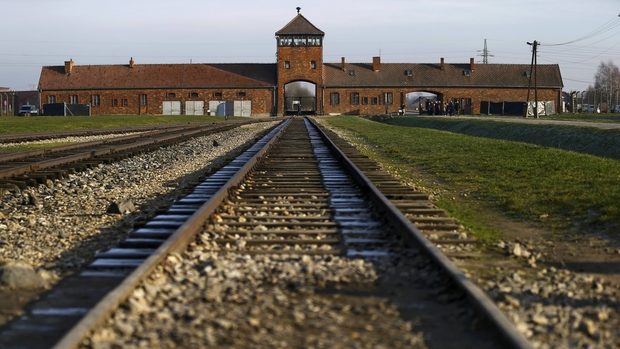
x=342 y=64
x=131 y=62
x=376 y=63
x=441 y=63
x=69 y=66
x=471 y=64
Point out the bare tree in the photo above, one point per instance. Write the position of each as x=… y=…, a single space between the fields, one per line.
x=607 y=83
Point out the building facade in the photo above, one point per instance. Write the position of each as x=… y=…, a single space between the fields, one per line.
x=299 y=82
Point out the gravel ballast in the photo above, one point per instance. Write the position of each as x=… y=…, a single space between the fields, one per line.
x=56 y=228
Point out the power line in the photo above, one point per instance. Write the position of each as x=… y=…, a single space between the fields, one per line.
x=606 y=27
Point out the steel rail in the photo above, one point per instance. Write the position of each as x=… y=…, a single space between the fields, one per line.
x=29 y=137
x=109 y=147
x=177 y=242
x=485 y=305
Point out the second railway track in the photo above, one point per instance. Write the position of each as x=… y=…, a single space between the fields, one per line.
x=289 y=223
x=30 y=168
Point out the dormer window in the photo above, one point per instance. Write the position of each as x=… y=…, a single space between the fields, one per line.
x=408 y=72
x=351 y=72
x=467 y=72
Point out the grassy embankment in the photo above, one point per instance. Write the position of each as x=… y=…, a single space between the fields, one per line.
x=15 y=125
x=476 y=179
x=580 y=139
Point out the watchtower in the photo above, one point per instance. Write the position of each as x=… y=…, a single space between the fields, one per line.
x=300 y=66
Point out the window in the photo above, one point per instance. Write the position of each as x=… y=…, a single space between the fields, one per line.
x=143 y=100
x=389 y=98
x=73 y=99
x=312 y=64
x=193 y=95
x=355 y=98
x=95 y=100
x=408 y=72
x=171 y=95
x=287 y=65
x=217 y=95
x=351 y=72
x=51 y=99
x=241 y=94
x=115 y=102
x=124 y=102
x=334 y=98
x=365 y=100
x=374 y=101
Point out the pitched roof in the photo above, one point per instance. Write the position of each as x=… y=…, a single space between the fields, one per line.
x=158 y=76
x=300 y=26
x=431 y=75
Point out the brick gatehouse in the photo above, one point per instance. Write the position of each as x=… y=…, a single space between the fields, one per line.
x=299 y=82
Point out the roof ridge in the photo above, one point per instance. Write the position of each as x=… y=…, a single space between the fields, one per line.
x=296 y=19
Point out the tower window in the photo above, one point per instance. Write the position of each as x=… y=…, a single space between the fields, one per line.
x=313 y=64
x=287 y=65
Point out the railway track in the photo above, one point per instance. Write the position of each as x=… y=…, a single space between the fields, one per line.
x=291 y=197
x=38 y=136
x=37 y=166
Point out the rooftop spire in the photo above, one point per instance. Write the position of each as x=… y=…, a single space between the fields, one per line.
x=298 y=9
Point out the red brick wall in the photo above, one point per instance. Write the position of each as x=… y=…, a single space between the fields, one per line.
x=477 y=95
x=262 y=99
x=300 y=69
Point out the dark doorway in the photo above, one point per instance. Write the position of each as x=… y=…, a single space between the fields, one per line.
x=299 y=98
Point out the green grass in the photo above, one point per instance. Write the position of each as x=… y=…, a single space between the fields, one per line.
x=476 y=178
x=28 y=147
x=14 y=125
x=580 y=139
x=603 y=117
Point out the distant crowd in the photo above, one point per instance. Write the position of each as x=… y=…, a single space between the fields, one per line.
x=452 y=107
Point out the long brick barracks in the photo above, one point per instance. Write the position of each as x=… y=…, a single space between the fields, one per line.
x=299 y=82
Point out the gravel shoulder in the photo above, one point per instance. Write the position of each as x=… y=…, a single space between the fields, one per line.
x=58 y=227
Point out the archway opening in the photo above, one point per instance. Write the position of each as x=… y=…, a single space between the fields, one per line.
x=423 y=103
x=299 y=98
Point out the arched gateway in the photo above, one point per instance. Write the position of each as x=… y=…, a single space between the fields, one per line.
x=299 y=98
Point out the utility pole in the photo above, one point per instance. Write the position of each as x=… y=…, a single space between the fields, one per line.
x=485 y=53
x=533 y=72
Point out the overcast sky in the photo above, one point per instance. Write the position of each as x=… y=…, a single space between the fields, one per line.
x=48 y=32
